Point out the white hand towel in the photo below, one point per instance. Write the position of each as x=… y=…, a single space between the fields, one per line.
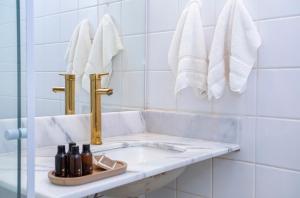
x=107 y=44
x=187 y=54
x=79 y=48
x=234 y=50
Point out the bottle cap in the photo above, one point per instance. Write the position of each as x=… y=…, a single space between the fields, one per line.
x=75 y=149
x=61 y=149
x=86 y=148
x=70 y=145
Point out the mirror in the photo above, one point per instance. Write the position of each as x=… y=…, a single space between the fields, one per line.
x=55 y=21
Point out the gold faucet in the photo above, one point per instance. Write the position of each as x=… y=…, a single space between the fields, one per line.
x=69 y=90
x=96 y=91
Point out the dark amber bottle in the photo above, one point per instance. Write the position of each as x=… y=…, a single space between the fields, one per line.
x=60 y=162
x=71 y=144
x=75 y=163
x=87 y=160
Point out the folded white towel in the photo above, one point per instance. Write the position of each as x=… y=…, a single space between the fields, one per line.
x=107 y=44
x=234 y=50
x=79 y=48
x=187 y=54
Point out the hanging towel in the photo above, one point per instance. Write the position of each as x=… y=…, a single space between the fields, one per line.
x=107 y=44
x=187 y=54
x=79 y=48
x=234 y=50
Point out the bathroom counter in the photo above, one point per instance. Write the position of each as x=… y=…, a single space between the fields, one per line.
x=196 y=150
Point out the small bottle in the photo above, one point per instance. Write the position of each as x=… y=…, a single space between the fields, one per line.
x=60 y=161
x=71 y=144
x=75 y=163
x=87 y=160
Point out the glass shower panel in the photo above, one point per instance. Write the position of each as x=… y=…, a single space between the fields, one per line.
x=10 y=99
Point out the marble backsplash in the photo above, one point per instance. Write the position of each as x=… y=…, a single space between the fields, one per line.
x=61 y=129
x=213 y=128
x=54 y=130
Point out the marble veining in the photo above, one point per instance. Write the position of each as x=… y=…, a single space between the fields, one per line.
x=56 y=130
x=198 y=138
x=214 y=128
x=191 y=151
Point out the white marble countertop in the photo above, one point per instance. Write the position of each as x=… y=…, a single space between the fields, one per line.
x=196 y=150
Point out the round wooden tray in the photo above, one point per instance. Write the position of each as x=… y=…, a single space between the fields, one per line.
x=98 y=174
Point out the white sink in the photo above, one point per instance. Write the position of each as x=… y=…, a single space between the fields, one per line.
x=142 y=155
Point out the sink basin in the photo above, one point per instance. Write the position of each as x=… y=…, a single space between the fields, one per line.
x=139 y=155
x=136 y=154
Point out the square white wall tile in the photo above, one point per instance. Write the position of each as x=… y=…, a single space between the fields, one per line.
x=276 y=143
x=69 y=20
x=46 y=7
x=134 y=53
x=158 y=48
x=234 y=103
x=91 y=14
x=50 y=57
x=43 y=26
x=232 y=179
x=279 y=93
x=246 y=140
x=67 y=5
x=87 y=3
x=278 y=8
x=197 y=179
x=280 y=42
x=133 y=16
x=162 y=15
x=160 y=87
x=276 y=183
x=45 y=107
x=133 y=89
x=162 y=193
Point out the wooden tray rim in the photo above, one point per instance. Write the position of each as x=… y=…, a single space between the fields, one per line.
x=66 y=181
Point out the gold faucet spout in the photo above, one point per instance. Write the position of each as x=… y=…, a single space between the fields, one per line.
x=105 y=91
x=58 y=89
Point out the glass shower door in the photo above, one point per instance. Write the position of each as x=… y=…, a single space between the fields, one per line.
x=11 y=97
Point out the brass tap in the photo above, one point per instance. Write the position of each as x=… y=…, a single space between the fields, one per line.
x=96 y=91
x=69 y=90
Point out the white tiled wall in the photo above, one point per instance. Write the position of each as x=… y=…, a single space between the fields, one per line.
x=8 y=59
x=267 y=165
x=55 y=21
